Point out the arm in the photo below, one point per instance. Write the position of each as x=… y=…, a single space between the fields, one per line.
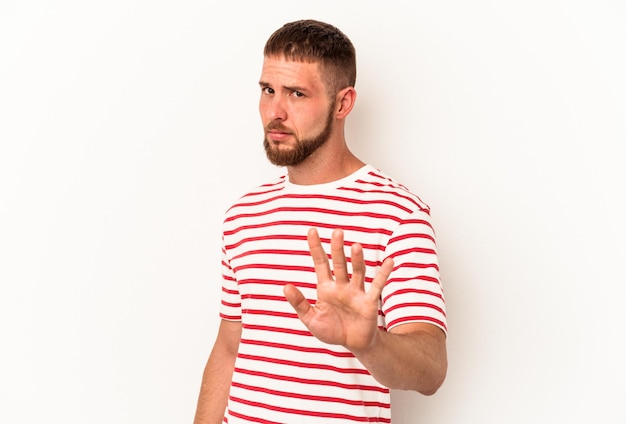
x=411 y=356
x=218 y=374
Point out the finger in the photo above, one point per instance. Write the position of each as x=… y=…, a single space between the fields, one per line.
x=338 y=257
x=358 y=266
x=320 y=259
x=381 y=278
x=298 y=302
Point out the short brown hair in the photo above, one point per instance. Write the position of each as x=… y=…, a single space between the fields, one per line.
x=316 y=42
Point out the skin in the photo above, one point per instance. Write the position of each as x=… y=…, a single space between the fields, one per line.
x=217 y=374
x=408 y=357
x=295 y=107
x=294 y=94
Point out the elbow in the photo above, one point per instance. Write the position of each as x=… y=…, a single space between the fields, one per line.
x=430 y=390
x=431 y=385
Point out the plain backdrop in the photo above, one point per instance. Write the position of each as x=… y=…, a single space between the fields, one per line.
x=127 y=127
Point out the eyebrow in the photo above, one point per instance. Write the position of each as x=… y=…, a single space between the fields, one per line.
x=264 y=84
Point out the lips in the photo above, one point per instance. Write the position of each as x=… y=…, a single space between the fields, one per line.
x=276 y=131
x=278 y=135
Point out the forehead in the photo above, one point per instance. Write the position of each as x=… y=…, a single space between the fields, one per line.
x=279 y=71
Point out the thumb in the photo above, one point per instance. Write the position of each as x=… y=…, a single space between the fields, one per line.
x=297 y=300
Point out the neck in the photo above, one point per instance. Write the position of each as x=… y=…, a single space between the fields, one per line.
x=325 y=165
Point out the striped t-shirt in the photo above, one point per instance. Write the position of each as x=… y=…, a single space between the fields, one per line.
x=282 y=373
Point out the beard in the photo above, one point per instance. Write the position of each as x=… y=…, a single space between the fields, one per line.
x=302 y=149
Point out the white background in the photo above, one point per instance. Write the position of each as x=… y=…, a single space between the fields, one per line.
x=127 y=127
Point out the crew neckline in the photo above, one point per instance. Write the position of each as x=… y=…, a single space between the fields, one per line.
x=308 y=188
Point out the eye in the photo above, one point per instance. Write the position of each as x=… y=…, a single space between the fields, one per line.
x=297 y=94
x=267 y=90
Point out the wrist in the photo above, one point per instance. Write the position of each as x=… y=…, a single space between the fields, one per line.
x=370 y=347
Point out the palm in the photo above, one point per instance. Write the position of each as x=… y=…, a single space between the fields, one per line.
x=344 y=313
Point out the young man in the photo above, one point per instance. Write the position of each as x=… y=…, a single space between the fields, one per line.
x=330 y=291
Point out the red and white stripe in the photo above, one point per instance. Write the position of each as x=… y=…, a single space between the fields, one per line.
x=283 y=374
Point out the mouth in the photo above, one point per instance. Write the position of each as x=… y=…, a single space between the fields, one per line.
x=277 y=136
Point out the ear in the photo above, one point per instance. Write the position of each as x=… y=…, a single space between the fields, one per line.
x=345 y=102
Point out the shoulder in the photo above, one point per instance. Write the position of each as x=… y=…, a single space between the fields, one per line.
x=260 y=193
x=376 y=184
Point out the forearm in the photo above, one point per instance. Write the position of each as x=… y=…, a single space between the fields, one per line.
x=412 y=359
x=217 y=375
x=213 y=392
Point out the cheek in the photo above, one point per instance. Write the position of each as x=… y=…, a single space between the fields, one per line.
x=262 y=108
x=314 y=120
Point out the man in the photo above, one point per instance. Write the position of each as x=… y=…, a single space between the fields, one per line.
x=303 y=340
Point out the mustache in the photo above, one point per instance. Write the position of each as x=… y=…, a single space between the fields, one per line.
x=277 y=126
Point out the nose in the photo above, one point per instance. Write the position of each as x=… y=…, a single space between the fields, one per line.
x=273 y=108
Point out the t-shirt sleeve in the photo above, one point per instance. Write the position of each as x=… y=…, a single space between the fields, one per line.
x=413 y=292
x=230 y=307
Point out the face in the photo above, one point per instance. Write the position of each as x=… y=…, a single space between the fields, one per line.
x=297 y=115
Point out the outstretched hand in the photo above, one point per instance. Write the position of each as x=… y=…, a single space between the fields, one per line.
x=344 y=314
